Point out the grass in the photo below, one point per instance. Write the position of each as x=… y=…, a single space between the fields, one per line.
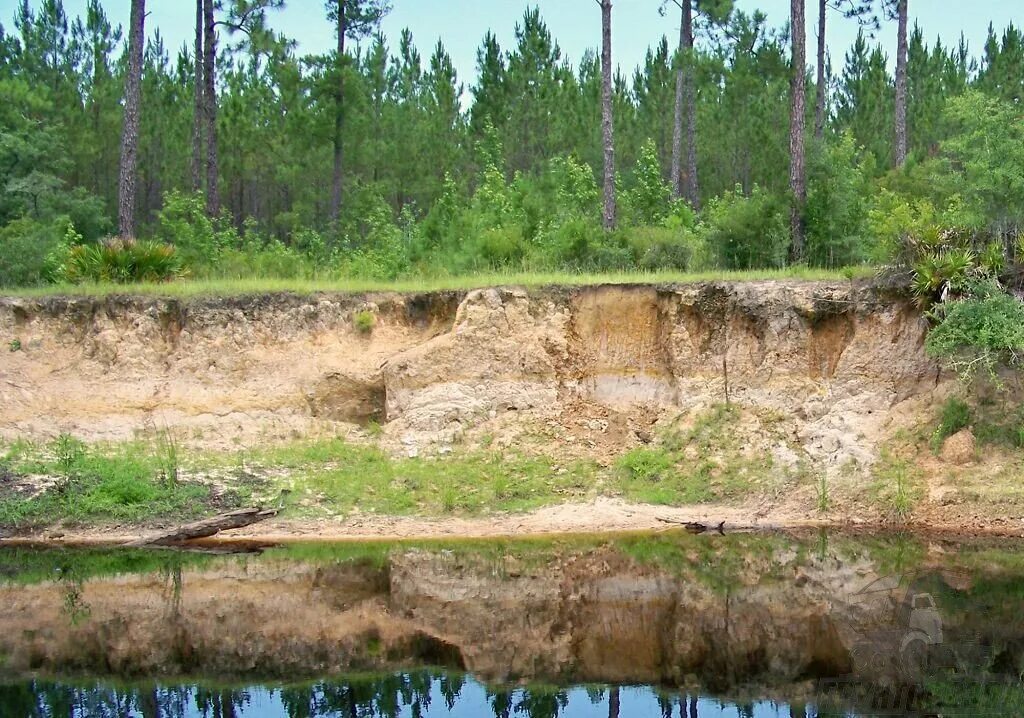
x=706 y=463
x=125 y=482
x=236 y=287
x=342 y=476
x=896 y=486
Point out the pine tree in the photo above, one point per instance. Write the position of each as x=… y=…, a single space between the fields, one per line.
x=607 y=115
x=897 y=10
x=797 y=171
x=132 y=110
x=198 y=102
x=685 y=181
x=859 y=9
x=354 y=19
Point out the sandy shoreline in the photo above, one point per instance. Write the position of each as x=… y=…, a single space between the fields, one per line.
x=601 y=516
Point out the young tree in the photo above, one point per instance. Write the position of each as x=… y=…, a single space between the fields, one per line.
x=246 y=16
x=859 y=9
x=797 y=89
x=684 y=179
x=897 y=10
x=607 y=119
x=354 y=19
x=130 y=133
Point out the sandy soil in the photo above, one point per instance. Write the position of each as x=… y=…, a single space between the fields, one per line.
x=601 y=515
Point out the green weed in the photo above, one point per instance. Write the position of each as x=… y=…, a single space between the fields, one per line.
x=14 y=345
x=167 y=456
x=364 y=321
x=821 y=488
x=956 y=416
x=896 y=486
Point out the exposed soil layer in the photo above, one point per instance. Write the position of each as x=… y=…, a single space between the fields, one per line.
x=825 y=375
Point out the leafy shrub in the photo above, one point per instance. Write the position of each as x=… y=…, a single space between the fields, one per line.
x=274 y=260
x=663 y=248
x=837 y=192
x=364 y=321
x=980 y=334
x=746 y=232
x=25 y=246
x=121 y=261
x=649 y=199
x=199 y=240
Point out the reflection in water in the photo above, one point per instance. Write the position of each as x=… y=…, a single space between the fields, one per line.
x=664 y=625
x=419 y=695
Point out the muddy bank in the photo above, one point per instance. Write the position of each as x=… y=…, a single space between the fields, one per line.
x=829 y=387
x=602 y=516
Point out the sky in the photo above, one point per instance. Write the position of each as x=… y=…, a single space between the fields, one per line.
x=575 y=24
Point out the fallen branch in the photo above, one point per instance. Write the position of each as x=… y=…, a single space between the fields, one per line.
x=693 y=527
x=206 y=527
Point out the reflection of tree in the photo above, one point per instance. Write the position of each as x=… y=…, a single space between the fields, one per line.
x=72 y=589
x=370 y=697
x=541 y=702
x=220 y=703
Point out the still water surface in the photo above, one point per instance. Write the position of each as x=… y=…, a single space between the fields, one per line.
x=648 y=625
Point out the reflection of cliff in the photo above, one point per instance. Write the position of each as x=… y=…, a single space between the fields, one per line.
x=766 y=615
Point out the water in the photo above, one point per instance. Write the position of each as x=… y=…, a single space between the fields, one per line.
x=648 y=625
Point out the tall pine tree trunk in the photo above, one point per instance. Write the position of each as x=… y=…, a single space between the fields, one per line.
x=819 y=98
x=797 y=90
x=197 y=110
x=677 y=124
x=607 y=122
x=339 y=121
x=900 y=154
x=130 y=132
x=210 y=105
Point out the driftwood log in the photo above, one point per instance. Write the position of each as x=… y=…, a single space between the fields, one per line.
x=206 y=527
x=695 y=527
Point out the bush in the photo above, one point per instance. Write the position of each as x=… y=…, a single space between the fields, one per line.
x=121 y=261
x=25 y=246
x=663 y=248
x=837 y=191
x=199 y=241
x=956 y=416
x=980 y=334
x=746 y=232
x=364 y=321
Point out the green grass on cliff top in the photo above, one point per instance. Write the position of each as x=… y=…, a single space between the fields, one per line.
x=237 y=287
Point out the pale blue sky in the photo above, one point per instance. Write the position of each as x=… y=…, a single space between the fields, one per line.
x=574 y=23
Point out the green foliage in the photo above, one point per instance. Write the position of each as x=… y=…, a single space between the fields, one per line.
x=509 y=183
x=25 y=245
x=14 y=345
x=120 y=261
x=97 y=483
x=824 y=501
x=956 y=415
x=896 y=486
x=980 y=334
x=837 y=194
x=746 y=231
x=364 y=321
